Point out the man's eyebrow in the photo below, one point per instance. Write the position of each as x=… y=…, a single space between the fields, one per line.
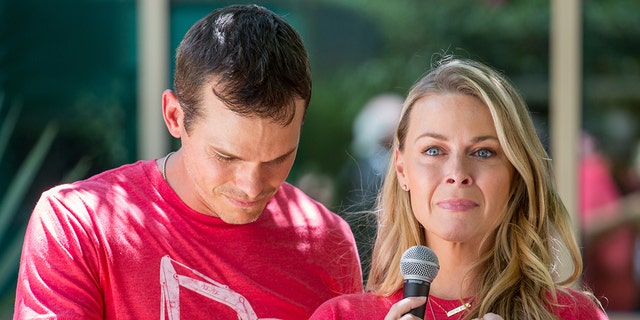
x=284 y=156
x=233 y=156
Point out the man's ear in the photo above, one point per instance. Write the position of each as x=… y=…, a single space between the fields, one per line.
x=172 y=113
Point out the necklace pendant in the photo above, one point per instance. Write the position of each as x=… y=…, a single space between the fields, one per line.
x=458 y=309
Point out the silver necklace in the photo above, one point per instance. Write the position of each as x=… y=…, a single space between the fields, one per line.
x=451 y=312
x=164 y=165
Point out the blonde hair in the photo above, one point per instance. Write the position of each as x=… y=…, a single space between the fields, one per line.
x=516 y=275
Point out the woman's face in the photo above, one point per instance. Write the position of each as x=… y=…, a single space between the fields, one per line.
x=457 y=174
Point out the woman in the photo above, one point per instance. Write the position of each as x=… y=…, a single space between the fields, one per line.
x=470 y=179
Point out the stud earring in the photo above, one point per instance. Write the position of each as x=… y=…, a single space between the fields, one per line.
x=405 y=187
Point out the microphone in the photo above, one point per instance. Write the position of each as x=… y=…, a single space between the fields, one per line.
x=419 y=266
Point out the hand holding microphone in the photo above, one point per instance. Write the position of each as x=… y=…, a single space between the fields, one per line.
x=419 y=266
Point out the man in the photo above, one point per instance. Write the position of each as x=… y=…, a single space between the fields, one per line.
x=211 y=231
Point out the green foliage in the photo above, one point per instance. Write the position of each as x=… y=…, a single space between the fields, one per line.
x=409 y=35
x=75 y=67
x=12 y=222
x=11 y=225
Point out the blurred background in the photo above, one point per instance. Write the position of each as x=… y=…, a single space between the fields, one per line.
x=78 y=81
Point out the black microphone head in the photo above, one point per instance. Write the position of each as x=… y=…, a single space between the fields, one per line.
x=419 y=263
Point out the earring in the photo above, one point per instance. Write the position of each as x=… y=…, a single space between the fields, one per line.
x=405 y=187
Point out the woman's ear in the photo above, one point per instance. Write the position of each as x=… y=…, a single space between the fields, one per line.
x=399 y=162
x=172 y=113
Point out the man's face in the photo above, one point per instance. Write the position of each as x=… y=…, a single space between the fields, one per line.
x=231 y=165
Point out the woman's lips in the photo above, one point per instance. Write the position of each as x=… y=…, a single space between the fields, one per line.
x=457 y=204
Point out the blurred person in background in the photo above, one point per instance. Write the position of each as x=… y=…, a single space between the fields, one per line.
x=470 y=179
x=373 y=130
x=318 y=186
x=609 y=252
x=211 y=230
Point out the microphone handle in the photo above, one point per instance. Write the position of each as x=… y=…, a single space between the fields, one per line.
x=416 y=288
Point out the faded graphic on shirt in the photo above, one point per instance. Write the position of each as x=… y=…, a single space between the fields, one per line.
x=171 y=281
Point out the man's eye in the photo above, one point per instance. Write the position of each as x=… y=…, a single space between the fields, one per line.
x=222 y=158
x=280 y=160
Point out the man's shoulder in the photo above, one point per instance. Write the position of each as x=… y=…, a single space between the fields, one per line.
x=118 y=191
x=302 y=212
x=101 y=183
x=124 y=172
x=295 y=201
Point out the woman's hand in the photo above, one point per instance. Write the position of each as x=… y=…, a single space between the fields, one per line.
x=490 y=316
x=405 y=305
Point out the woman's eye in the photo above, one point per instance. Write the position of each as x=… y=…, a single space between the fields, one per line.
x=484 y=153
x=432 y=151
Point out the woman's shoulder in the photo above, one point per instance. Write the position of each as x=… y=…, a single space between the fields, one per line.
x=576 y=304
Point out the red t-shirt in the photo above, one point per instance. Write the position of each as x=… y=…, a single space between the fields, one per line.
x=574 y=306
x=122 y=245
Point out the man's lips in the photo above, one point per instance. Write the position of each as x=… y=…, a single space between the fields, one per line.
x=242 y=203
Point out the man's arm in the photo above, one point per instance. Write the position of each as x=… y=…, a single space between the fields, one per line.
x=58 y=275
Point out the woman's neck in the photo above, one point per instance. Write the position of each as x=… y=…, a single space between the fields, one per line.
x=454 y=279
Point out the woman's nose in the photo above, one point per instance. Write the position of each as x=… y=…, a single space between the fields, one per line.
x=459 y=172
